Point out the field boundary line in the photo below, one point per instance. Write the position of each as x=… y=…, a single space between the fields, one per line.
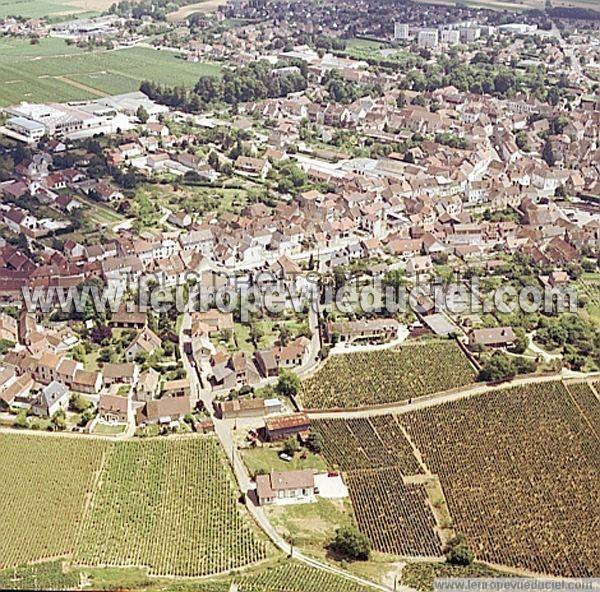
x=580 y=410
x=416 y=452
x=96 y=483
x=80 y=86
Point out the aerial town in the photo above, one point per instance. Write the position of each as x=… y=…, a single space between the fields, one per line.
x=299 y=296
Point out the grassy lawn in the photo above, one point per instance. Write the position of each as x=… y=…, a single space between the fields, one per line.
x=263 y=460
x=242 y=337
x=357 y=43
x=110 y=578
x=123 y=390
x=91 y=360
x=101 y=214
x=268 y=328
x=311 y=526
x=53 y=70
x=178 y=323
x=270 y=331
x=103 y=429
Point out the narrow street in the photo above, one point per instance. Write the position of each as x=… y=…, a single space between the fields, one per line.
x=224 y=431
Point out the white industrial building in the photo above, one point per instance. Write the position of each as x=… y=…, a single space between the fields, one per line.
x=450 y=37
x=28 y=122
x=401 y=31
x=30 y=130
x=428 y=38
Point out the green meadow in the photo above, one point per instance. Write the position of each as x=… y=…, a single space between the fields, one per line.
x=51 y=8
x=54 y=71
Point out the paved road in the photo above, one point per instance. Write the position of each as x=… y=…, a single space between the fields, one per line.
x=315 y=344
x=569 y=52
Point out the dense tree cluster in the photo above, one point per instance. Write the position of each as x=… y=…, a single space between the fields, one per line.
x=573 y=12
x=497 y=368
x=575 y=338
x=448 y=139
x=344 y=91
x=458 y=551
x=480 y=76
x=250 y=83
x=177 y=97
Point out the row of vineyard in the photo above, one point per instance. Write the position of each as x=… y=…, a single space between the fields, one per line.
x=170 y=505
x=44 y=486
x=519 y=469
x=387 y=376
x=365 y=443
x=292 y=576
x=396 y=517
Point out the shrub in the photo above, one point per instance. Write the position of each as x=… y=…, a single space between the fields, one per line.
x=350 y=542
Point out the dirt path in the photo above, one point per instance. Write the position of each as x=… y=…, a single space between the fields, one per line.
x=80 y=86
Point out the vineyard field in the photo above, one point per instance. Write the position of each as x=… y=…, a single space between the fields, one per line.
x=170 y=505
x=519 y=469
x=45 y=484
x=396 y=517
x=283 y=576
x=375 y=442
x=420 y=576
x=375 y=457
x=387 y=376
x=167 y=505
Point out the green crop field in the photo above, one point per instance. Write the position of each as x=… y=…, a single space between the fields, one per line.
x=167 y=505
x=34 y=8
x=55 y=71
